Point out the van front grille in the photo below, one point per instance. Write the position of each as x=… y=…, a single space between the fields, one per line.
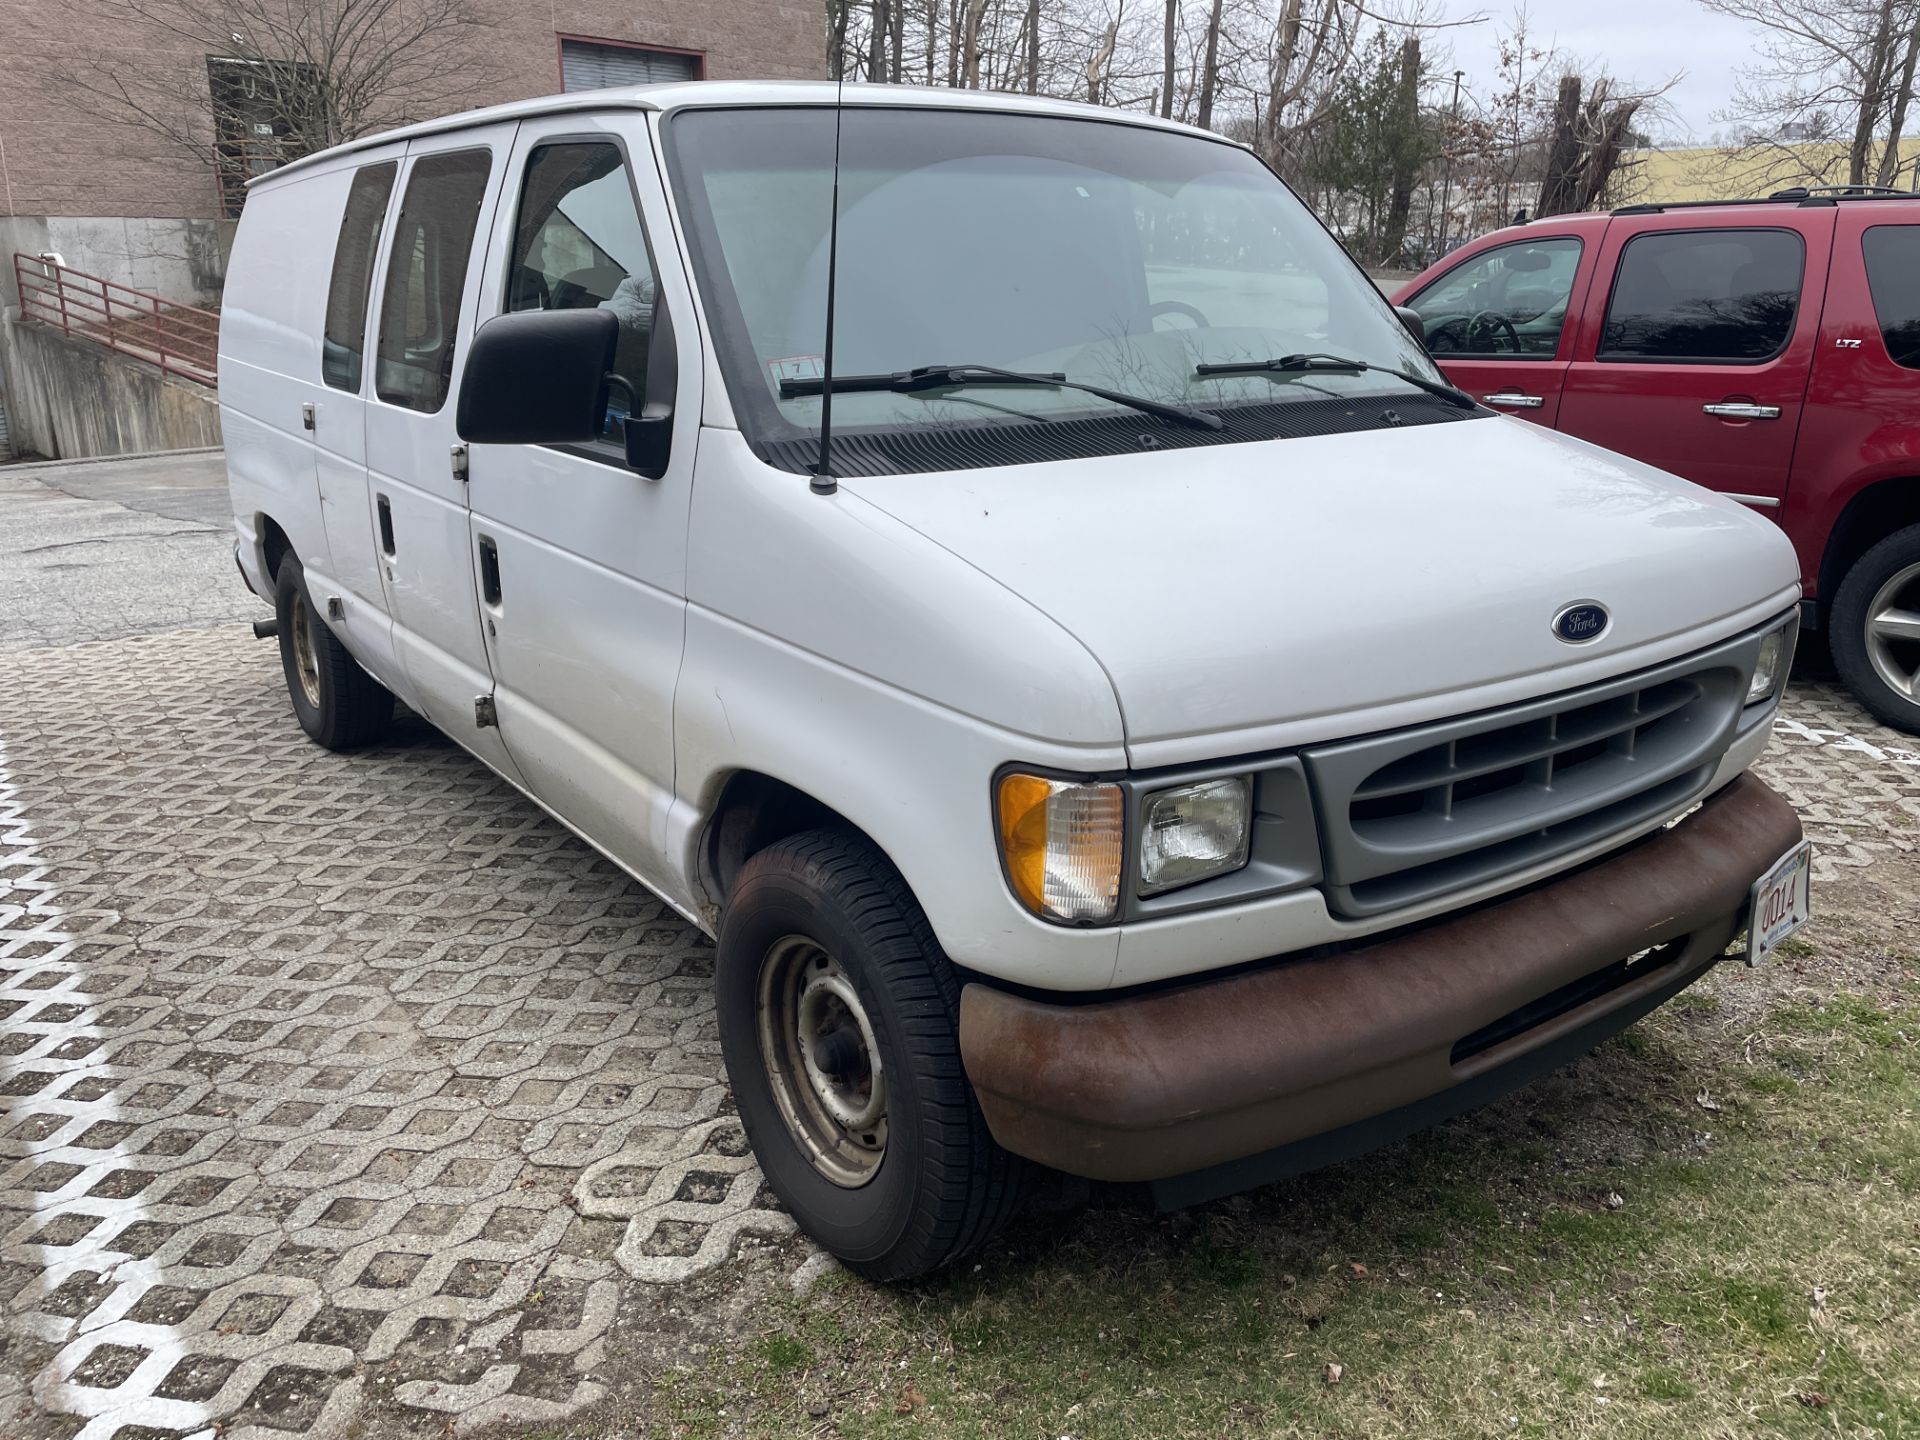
x=1415 y=814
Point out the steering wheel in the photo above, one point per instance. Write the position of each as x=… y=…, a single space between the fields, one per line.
x=1178 y=307
x=1486 y=325
x=1448 y=334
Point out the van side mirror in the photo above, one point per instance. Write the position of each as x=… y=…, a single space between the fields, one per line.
x=538 y=377
x=1410 y=317
x=542 y=377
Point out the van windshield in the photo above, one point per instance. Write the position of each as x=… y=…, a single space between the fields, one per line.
x=1111 y=254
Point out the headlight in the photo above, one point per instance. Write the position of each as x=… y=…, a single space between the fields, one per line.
x=1774 y=659
x=1193 y=831
x=1062 y=841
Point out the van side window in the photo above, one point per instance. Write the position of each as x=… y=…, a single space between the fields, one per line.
x=578 y=244
x=1713 y=295
x=353 y=252
x=1505 y=303
x=426 y=275
x=1893 y=275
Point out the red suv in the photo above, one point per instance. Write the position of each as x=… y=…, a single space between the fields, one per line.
x=1768 y=349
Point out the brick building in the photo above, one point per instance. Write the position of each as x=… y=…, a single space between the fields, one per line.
x=115 y=199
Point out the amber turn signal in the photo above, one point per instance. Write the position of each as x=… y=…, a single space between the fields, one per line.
x=1062 y=841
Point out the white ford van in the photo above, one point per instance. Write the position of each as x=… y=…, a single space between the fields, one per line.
x=1162 y=732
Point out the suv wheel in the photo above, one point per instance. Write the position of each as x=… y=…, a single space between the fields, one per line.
x=337 y=703
x=1876 y=629
x=838 y=1020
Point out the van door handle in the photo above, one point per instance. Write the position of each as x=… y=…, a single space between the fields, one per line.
x=489 y=572
x=1514 y=400
x=1742 y=410
x=386 y=527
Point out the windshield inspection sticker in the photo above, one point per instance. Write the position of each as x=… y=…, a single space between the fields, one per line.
x=797 y=367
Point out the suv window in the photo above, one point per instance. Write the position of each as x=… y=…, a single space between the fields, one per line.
x=578 y=244
x=1508 y=302
x=353 y=252
x=426 y=275
x=1713 y=295
x=1893 y=275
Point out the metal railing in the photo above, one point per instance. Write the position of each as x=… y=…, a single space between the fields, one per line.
x=182 y=340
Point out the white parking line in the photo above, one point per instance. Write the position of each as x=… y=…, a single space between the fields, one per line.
x=1844 y=742
x=45 y=997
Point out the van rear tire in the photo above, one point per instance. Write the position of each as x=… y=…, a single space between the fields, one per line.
x=1866 y=626
x=339 y=705
x=838 y=1017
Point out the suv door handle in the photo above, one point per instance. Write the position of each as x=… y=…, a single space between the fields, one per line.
x=1514 y=400
x=386 y=528
x=1742 y=410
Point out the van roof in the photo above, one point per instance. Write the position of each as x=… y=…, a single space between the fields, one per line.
x=716 y=94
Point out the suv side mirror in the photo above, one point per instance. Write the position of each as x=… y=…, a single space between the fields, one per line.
x=1410 y=318
x=538 y=377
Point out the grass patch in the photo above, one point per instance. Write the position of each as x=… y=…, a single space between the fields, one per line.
x=783 y=1354
x=1602 y=1256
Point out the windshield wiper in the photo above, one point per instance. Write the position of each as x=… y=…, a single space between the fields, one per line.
x=1337 y=365
x=936 y=377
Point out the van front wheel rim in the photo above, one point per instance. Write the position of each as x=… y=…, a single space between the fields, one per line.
x=305 y=663
x=823 y=1062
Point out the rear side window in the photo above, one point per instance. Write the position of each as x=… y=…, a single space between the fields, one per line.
x=1893 y=274
x=1704 y=295
x=578 y=245
x=426 y=275
x=346 y=333
x=1507 y=303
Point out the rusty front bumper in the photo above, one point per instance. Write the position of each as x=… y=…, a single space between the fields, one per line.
x=1272 y=1062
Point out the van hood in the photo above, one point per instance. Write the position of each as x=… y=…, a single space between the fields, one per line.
x=1244 y=597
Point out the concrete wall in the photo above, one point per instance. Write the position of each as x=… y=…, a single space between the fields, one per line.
x=71 y=399
x=183 y=260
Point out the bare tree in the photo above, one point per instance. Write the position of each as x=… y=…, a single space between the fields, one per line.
x=1033 y=47
x=1408 y=157
x=972 y=13
x=1102 y=58
x=1169 y=33
x=839 y=14
x=285 y=79
x=1842 y=68
x=1210 y=67
x=1313 y=47
x=879 y=31
x=1588 y=144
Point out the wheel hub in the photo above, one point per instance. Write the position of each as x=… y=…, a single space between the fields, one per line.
x=1893 y=633
x=306 y=663
x=823 y=1061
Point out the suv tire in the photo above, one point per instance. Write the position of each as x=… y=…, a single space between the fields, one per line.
x=1875 y=629
x=826 y=966
x=337 y=703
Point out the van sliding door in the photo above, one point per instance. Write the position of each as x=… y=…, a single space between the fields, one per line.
x=415 y=462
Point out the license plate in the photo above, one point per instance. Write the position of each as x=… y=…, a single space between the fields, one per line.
x=1780 y=902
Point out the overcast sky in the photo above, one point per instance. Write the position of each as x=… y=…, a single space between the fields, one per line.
x=1646 y=41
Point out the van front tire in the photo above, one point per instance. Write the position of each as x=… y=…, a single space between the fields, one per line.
x=337 y=703
x=838 y=1019
x=1876 y=646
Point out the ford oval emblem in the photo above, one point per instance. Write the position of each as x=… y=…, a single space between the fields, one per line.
x=1582 y=622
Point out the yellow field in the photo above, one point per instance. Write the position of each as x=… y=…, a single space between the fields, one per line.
x=1719 y=173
